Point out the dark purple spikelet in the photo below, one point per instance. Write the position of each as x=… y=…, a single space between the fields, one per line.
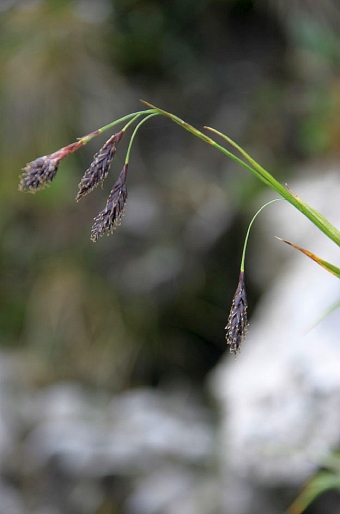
x=39 y=173
x=99 y=168
x=237 y=325
x=109 y=218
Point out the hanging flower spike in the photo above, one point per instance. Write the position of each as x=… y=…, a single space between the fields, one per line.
x=237 y=325
x=39 y=173
x=110 y=218
x=99 y=168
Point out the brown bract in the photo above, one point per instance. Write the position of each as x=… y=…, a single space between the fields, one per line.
x=237 y=325
x=109 y=218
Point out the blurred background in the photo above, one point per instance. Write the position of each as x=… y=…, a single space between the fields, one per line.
x=107 y=348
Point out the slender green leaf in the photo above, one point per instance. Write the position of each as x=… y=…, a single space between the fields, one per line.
x=322 y=482
x=254 y=167
x=312 y=214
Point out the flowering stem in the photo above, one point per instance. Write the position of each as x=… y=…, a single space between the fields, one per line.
x=199 y=134
x=153 y=113
x=248 y=231
x=132 y=117
x=314 y=216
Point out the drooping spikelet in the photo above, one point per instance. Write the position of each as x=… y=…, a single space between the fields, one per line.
x=237 y=325
x=109 y=218
x=39 y=173
x=99 y=168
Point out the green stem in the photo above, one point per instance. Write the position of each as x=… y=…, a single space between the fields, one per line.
x=136 y=130
x=133 y=117
x=249 y=227
x=131 y=122
x=200 y=135
x=314 y=216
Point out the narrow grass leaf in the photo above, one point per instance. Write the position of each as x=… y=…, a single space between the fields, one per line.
x=322 y=482
x=324 y=264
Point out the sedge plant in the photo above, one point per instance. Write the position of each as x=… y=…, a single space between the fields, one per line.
x=39 y=173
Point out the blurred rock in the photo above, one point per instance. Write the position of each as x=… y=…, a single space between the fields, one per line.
x=135 y=430
x=173 y=490
x=10 y=500
x=79 y=439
